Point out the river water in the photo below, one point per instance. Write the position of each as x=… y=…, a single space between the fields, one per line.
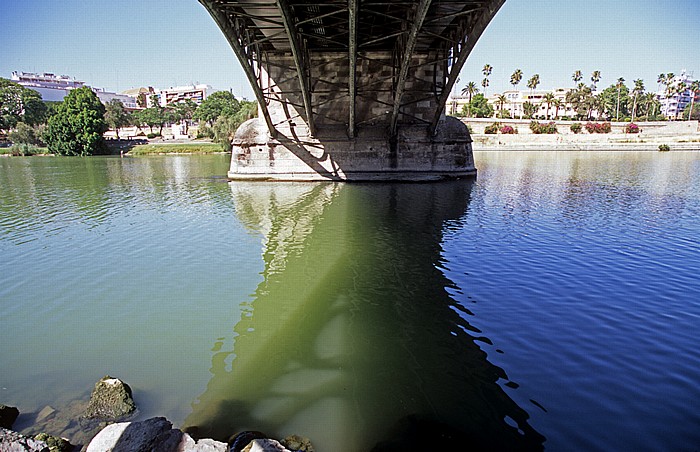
x=554 y=302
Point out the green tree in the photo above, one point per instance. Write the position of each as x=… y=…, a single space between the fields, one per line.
x=515 y=78
x=619 y=85
x=220 y=103
x=27 y=134
x=694 y=89
x=502 y=99
x=557 y=104
x=185 y=112
x=480 y=107
x=470 y=90
x=577 y=76
x=636 y=92
x=487 y=70
x=533 y=82
x=78 y=125
x=116 y=115
x=529 y=109
x=485 y=84
x=595 y=78
x=19 y=104
x=549 y=100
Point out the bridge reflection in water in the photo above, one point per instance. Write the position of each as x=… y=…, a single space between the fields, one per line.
x=352 y=338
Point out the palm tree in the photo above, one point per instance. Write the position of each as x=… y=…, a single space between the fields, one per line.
x=678 y=90
x=557 y=104
x=620 y=84
x=637 y=91
x=485 y=84
x=515 y=78
x=533 y=82
x=668 y=81
x=501 y=99
x=578 y=76
x=595 y=78
x=549 y=100
x=470 y=90
x=487 y=72
x=694 y=88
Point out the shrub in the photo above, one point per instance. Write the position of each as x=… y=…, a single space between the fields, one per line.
x=664 y=148
x=508 y=130
x=594 y=127
x=576 y=127
x=543 y=128
x=493 y=128
x=632 y=128
x=152 y=135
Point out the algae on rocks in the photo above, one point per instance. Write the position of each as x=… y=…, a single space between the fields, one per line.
x=111 y=399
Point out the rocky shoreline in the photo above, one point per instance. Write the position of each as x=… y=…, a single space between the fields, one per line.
x=105 y=423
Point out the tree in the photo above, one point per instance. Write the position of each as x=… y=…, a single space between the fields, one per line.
x=220 y=103
x=577 y=76
x=185 y=112
x=19 y=104
x=694 y=88
x=487 y=73
x=557 y=104
x=529 y=109
x=678 y=90
x=225 y=126
x=549 y=100
x=485 y=84
x=502 y=99
x=27 y=134
x=668 y=81
x=78 y=125
x=533 y=82
x=595 y=78
x=116 y=115
x=620 y=84
x=470 y=90
x=515 y=78
x=637 y=91
x=480 y=107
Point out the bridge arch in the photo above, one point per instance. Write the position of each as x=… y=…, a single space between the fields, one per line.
x=352 y=89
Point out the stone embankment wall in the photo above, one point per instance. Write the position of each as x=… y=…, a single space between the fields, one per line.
x=680 y=135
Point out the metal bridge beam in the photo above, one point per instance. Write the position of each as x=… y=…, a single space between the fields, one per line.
x=405 y=62
x=352 y=54
x=300 y=61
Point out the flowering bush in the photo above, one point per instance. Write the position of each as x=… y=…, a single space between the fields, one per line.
x=508 y=130
x=543 y=128
x=594 y=127
x=632 y=128
x=576 y=127
x=493 y=128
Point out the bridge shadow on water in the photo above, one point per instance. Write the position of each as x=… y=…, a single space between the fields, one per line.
x=352 y=338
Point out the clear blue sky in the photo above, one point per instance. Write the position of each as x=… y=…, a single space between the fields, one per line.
x=120 y=44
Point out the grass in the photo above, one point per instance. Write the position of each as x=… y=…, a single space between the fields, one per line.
x=23 y=150
x=178 y=148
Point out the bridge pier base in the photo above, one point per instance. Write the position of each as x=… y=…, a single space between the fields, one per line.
x=371 y=156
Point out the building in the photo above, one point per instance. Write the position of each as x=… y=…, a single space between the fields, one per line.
x=674 y=102
x=54 y=88
x=195 y=93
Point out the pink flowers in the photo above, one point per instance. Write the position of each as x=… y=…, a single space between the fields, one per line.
x=594 y=127
x=632 y=128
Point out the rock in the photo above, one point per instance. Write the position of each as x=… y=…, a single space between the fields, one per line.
x=8 y=416
x=240 y=440
x=55 y=443
x=152 y=435
x=265 y=445
x=14 y=442
x=297 y=443
x=45 y=413
x=110 y=400
x=188 y=444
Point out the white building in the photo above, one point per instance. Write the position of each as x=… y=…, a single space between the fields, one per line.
x=54 y=88
x=672 y=105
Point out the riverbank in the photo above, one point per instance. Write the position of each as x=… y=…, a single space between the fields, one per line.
x=193 y=147
x=678 y=136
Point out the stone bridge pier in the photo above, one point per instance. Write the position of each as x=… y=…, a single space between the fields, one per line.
x=352 y=89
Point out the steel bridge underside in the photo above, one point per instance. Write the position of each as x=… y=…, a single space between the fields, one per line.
x=396 y=40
